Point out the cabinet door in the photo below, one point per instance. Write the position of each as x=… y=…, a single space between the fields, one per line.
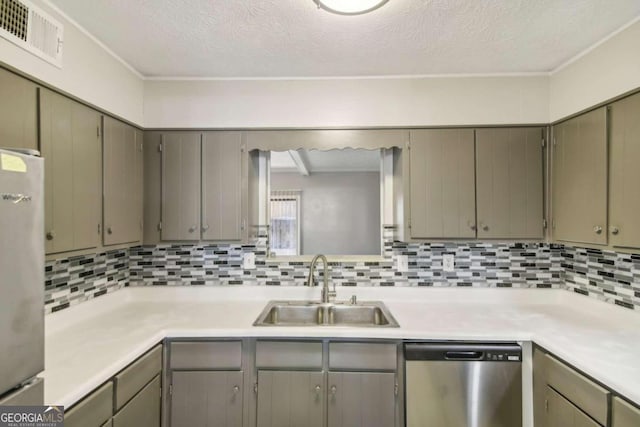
x=93 y=411
x=290 y=399
x=18 y=112
x=206 y=399
x=122 y=183
x=624 y=191
x=152 y=188
x=70 y=145
x=222 y=186
x=181 y=186
x=139 y=187
x=442 y=182
x=362 y=399
x=624 y=415
x=580 y=179
x=143 y=410
x=562 y=413
x=509 y=176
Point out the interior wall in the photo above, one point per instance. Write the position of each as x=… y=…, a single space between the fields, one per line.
x=367 y=102
x=340 y=211
x=609 y=70
x=88 y=72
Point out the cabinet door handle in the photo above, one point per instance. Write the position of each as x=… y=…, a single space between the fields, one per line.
x=471 y=225
x=333 y=390
x=615 y=231
x=318 y=389
x=236 y=389
x=51 y=235
x=597 y=229
x=192 y=229
x=205 y=228
x=109 y=230
x=484 y=226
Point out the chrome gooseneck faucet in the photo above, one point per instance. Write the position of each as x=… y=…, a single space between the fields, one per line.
x=326 y=293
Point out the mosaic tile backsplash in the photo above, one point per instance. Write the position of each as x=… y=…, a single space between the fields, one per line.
x=608 y=276
x=477 y=264
x=70 y=281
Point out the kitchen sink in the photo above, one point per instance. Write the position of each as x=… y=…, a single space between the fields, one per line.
x=313 y=313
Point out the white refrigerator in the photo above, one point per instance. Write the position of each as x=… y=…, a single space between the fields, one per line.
x=21 y=277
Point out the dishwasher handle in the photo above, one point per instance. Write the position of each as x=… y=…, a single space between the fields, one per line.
x=463 y=352
x=464 y=355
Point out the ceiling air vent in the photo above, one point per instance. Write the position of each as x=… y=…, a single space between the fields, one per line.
x=32 y=29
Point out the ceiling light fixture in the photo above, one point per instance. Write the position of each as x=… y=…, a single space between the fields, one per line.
x=350 y=7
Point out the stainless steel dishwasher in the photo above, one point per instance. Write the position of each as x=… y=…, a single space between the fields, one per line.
x=463 y=385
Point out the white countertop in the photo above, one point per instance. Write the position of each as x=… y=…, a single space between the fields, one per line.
x=89 y=343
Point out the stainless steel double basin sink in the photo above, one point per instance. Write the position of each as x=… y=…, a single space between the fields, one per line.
x=314 y=313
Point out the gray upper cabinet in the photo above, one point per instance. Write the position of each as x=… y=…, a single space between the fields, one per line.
x=290 y=399
x=509 y=174
x=624 y=191
x=442 y=184
x=152 y=187
x=122 y=169
x=362 y=399
x=579 y=200
x=222 y=216
x=18 y=112
x=181 y=158
x=70 y=145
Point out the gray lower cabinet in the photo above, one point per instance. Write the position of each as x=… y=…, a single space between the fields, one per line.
x=207 y=398
x=509 y=183
x=564 y=397
x=132 y=398
x=624 y=414
x=579 y=179
x=362 y=399
x=92 y=411
x=290 y=399
x=18 y=112
x=562 y=413
x=442 y=184
x=143 y=410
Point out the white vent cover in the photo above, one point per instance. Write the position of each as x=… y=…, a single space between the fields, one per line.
x=32 y=29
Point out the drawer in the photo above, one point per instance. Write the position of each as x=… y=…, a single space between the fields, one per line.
x=562 y=413
x=135 y=377
x=582 y=392
x=143 y=410
x=624 y=414
x=206 y=355
x=289 y=355
x=363 y=356
x=93 y=411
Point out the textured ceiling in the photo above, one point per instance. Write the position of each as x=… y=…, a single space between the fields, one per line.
x=293 y=38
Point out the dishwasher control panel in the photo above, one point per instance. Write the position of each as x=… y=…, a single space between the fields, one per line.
x=464 y=352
